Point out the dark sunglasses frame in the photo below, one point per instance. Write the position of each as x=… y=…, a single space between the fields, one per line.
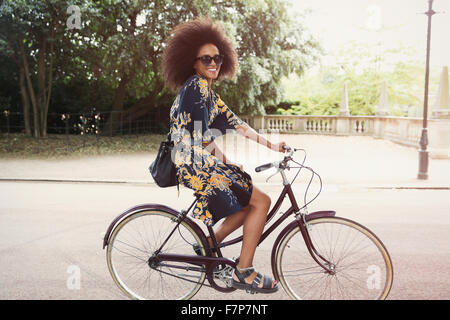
x=207 y=59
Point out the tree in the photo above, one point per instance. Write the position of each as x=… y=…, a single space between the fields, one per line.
x=126 y=42
x=363 y=70
x=122 y=46
x=29 y=33
x=271 y=44
x=119 y=44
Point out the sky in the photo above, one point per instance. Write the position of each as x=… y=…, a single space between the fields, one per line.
x=389 y=23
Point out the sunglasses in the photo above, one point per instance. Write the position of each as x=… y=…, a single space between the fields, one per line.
x=206 y=59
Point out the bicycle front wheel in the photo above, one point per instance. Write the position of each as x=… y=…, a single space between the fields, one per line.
x=362 y=266
x=130 y=250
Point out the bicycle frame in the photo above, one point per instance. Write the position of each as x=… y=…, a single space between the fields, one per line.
x=287 y=190
x=208 y=263
x=300 y=221
x=201 y=265
x=211 y=262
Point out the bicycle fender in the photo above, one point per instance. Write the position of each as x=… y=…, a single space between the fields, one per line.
x=289 y=227
x=144 y=207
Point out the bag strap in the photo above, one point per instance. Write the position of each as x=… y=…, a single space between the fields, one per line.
x=169 y=139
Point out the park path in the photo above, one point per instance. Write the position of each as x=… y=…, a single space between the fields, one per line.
x=362 y=161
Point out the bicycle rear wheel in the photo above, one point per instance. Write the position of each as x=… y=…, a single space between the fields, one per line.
x=129 y=256
x=362 y=266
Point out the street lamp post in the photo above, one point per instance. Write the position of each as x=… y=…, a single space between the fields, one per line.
x=423 y=153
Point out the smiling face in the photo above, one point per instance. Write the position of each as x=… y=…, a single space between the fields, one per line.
x=211 y=71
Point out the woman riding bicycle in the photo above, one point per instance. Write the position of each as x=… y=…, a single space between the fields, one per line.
x=197 y=54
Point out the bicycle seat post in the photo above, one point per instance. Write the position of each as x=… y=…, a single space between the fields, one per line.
x=180 y=217
x=215 y=244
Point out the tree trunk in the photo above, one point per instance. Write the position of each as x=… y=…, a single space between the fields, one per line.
x=144 y=105
x=36 y=122
x=50 y=82
x=41 y=96
x=25 y=101
x=117 y=107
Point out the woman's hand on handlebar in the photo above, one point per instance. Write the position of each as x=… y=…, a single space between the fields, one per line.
x=278 y=146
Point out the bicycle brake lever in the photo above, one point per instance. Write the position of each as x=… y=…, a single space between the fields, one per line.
x=278 y=170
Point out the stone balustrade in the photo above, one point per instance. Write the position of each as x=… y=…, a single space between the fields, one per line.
x=402 y=130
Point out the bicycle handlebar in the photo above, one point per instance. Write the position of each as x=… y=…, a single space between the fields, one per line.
x=283 y=164
x=264 y=167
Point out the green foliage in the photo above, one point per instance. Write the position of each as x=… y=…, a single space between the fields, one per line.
x=113 y=60
x=363 y=70
x=271 y=44
x=32 y=37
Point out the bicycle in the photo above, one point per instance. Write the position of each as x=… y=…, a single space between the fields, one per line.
x=316 y=256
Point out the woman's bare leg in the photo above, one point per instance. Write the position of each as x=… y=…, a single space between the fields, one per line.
x=253 y=228
x=231 y=223
x=253 y=218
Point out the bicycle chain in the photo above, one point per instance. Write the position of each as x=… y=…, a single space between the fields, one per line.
x=222 y=275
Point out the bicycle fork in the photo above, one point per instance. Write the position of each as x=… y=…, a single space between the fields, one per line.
x=303 y=225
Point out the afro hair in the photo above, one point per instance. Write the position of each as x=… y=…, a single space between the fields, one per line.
x=183 y=44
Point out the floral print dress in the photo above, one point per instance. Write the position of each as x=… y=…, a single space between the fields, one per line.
x=199 y=115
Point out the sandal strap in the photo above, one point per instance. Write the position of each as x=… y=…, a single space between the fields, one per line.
x=257 y=280
x=245 y=269
x=267 y=284
x=243 y=273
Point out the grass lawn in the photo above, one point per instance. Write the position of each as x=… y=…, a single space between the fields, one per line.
x=75 y=146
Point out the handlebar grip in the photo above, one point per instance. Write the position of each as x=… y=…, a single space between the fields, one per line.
x=264 y=167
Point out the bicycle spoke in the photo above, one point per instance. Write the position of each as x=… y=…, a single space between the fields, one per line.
x=138 y=273
x=129 y=254
x=349 y=248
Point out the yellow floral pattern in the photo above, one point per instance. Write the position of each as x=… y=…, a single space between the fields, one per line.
x=224 y=189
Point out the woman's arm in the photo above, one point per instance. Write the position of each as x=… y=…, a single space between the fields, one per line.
x=248 y=132
x=212 y=148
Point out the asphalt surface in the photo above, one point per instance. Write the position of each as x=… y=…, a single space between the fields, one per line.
x=53 y=214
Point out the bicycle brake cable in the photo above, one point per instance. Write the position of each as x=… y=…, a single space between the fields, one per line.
x=301 y=166
x=309 y=184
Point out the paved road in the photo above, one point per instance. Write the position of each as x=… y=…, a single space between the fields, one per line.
x=51 y=230
x=47 y=228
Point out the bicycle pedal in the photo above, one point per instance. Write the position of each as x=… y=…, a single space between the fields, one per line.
x=250 y=291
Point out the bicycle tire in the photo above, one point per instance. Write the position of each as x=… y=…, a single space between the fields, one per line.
x=363 y=273
x=133 y=242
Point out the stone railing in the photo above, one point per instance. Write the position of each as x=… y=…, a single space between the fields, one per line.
x=405 y=131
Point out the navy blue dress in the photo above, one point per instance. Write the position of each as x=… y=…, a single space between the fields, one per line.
x=199 y=115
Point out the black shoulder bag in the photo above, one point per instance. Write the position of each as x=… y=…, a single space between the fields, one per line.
x=162 y=168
